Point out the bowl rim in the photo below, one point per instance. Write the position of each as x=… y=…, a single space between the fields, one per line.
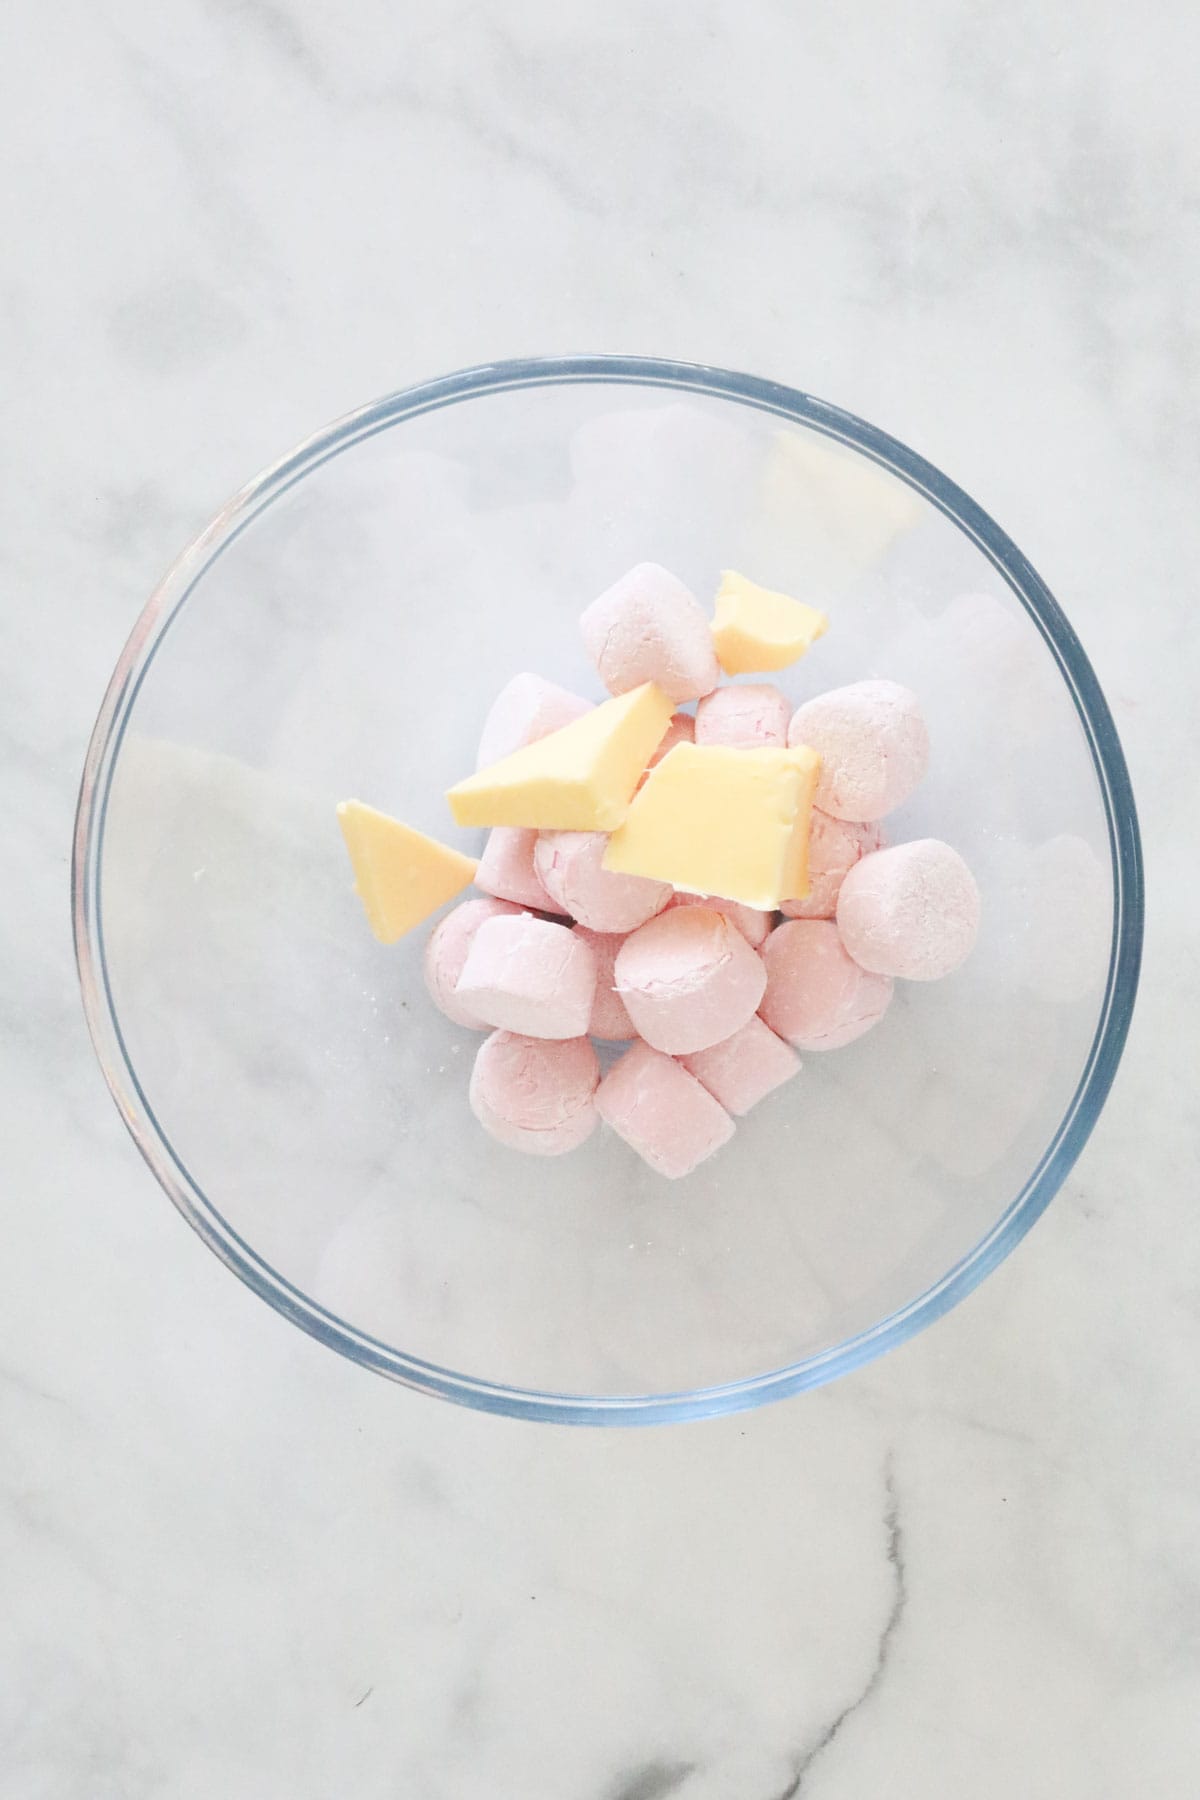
x=1108 y=759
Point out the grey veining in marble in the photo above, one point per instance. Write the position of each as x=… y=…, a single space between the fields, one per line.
x=232 y=1564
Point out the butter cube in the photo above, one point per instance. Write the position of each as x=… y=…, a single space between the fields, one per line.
x=712 y=819
x=755 y=629
x=579 y=778
x=400 y=875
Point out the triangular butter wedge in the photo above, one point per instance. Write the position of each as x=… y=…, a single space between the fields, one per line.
x=579 y=778
x=400 y=875
x=755 y=629
x=711 y=819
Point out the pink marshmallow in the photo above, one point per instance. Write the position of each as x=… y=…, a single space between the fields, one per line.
x=681 y=729
x=911 y=911
x=527 y=709
x=749 y=717
x=817 y=996
x=609 y=1018
x=649 y=627
x=689 y=979
x=873 y=746
x=662 y=1112
x=529 y=975
x=745 y=1068
x=834 y=846
x=567 y=865
x=533 y=1095
x=446 y=952
x=506 y=868
x=753 y=924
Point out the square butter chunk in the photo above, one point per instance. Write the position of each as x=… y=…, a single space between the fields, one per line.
x=400 y=875
x=579 y=778
x=712 y=819
x=755 y=629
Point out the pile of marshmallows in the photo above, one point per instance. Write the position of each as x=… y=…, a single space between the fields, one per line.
x=714 y=997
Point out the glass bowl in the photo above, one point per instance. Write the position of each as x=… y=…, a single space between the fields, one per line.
x=340 y=629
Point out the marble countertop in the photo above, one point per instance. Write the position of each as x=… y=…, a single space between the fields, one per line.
x=231 y=1563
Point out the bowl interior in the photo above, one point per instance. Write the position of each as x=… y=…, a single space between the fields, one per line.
x=341 y=631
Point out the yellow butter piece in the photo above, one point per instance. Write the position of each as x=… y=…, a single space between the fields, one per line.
x=715 y=820
x=400 y=875
x=756 y=629
x=577 y=779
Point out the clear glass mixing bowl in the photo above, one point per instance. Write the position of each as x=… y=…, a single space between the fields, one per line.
x=340 y=629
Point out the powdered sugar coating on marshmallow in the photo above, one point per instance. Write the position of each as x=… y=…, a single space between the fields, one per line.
x=446 y=952
x=834 y=846
x=753 y=924
x=609 y=1020
x=689 y=979
x=535 y=1095
x=506 y=868
x=649 y=627
x=873 y=745
x=530 y=976
x=744 y=1068
x=662 y=1112
x=749 y=716
x=818 y=997
x=526 y=708
x=567 y=865
x=911 y=911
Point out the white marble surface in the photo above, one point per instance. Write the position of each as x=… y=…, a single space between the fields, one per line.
x=231 y=1564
